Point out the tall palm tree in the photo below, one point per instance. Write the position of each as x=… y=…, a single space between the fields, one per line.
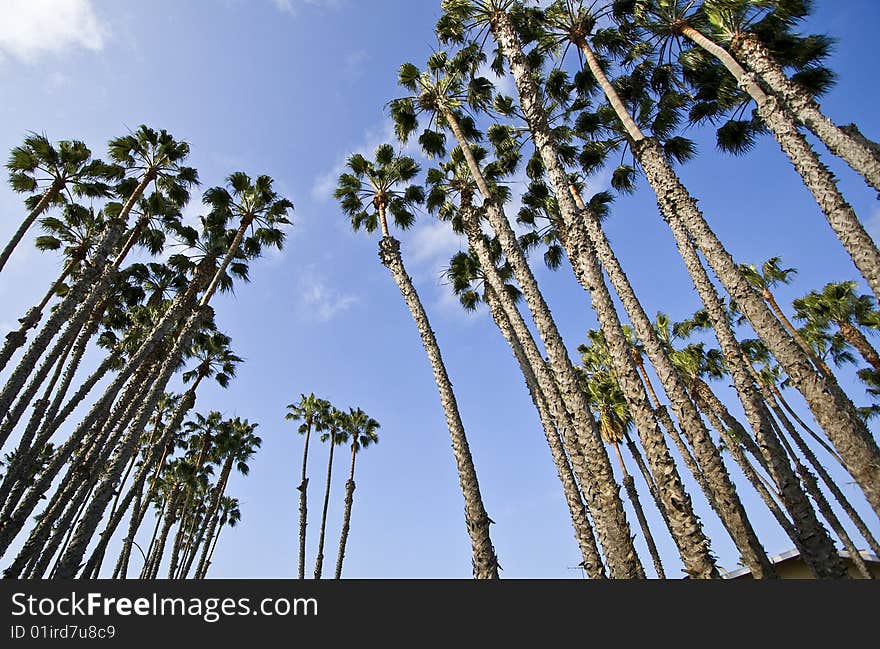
x=368 y=193
x=46 y=172
x=336 y=434
x=727 y=20
x=229 y=514
x=443 y=93
x=362 y=430
x=831 y=407
x=770 y=275
x=839 y=306
x=236 y=446
x=313 y=413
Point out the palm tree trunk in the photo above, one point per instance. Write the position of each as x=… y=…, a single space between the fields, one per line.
x=485 y=562
x=155 y=562
x=514 y=333
x=830 y=483
x=210 y=557
x=831 y=407
x=160 y=516
x=857 y=339
x=601 y=491
x=857 y=153
x=582 y=254
x=207 y=530
x=346 y=516
x=799 y=339
x=630 y=486
x=303 y=496
x=319 y=560
x=48 y=196
x=812 y=486
x=140 y=509
x=648 y=478
x=818 y=178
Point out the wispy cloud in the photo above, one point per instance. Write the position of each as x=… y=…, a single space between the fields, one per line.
x=292 y=6
x=32 y=28
x=317 y=300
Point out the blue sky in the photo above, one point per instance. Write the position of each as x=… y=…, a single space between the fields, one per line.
x=290 y=88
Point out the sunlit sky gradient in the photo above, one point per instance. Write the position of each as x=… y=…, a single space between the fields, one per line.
x=290 y=88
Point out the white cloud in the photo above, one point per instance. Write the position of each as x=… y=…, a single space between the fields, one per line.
x=325 y=183
x=317 y=300
x=31 y=28
x=291 y=6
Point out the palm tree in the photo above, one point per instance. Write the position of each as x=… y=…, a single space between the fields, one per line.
x=742 y=26
x=729 y=19
x=236 y=446
x=46 y=172
x=367 y=195
x=442 y=93
x=313 y=412
x=831 y=407
x=337 y=430
x=839 y=306
x=230 y=515
x=362 y=429
x=770 y=275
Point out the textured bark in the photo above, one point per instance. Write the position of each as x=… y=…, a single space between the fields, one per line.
x=207 y=531
x=346 y=516
x=692 y=544
x=830 y=483
x=812 y=487
x=829 y=405
x=155 y=558
x=858 y=340
x=46 y=199
x=817 y=177
x=210 y=556
x=81 y=538
x=520 y=338
x=319 y=559
x=303 y=503
x=856 y=151
x=630 y=486
x=817 y=547
x=485 y=562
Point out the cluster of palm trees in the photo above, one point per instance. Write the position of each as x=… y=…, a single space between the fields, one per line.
x=336 y=427
x=133 y=301
x=603 y=81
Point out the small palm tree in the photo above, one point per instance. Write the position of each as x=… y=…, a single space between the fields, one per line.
x=313 y=412
x=336 y=434
x=46 y=172
x=363 y=432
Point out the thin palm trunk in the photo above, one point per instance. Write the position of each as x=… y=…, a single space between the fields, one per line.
x=856 y=151
x=210 y=556
x=857 y=339
x=520 y=339
x=319 y=559
x=303 y=508
x=485 y=562
x=799 y=339
x=629 y=484
x=830 y=483
x=346 y=516
x=207 y=530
